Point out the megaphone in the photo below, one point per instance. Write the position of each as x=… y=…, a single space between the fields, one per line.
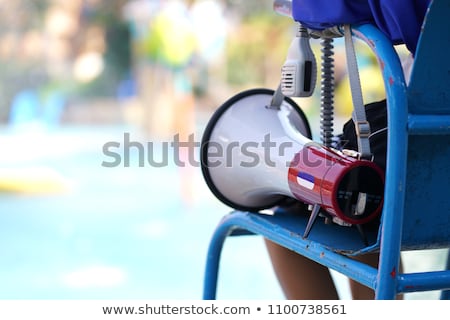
x=254 y=157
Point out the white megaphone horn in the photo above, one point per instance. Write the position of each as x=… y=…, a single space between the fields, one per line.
x=255 y=156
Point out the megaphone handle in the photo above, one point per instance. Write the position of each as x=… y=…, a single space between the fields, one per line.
x=312 y=218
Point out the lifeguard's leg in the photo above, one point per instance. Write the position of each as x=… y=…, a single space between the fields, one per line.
x=300 y=277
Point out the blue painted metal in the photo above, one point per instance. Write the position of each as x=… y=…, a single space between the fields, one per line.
x=428 y=124
x=423 y=281
x=430 y=80
x=395 y=88
x=427 y=203
x=325 y=244
x=416 y=212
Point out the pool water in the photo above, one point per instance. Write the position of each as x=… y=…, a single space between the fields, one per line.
x=97 y=232
x=113 y=233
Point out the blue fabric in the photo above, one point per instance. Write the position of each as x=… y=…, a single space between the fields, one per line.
x=400 y=20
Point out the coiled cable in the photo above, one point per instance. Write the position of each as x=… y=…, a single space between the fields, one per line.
x=327 y=91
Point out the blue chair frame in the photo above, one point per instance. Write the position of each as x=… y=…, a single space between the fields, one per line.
x=416 y=212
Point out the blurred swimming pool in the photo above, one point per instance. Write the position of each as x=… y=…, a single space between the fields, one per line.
x=111 y=233
x=74 y=229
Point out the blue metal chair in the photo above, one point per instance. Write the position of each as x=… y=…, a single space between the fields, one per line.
x=416 y=212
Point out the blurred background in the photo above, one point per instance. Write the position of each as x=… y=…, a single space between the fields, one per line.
x=77 y=75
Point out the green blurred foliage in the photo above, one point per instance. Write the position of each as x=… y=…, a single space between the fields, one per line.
x=18 y=72
x=257 y=50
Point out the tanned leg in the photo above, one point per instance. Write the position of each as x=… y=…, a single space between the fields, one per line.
x=300 y=277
